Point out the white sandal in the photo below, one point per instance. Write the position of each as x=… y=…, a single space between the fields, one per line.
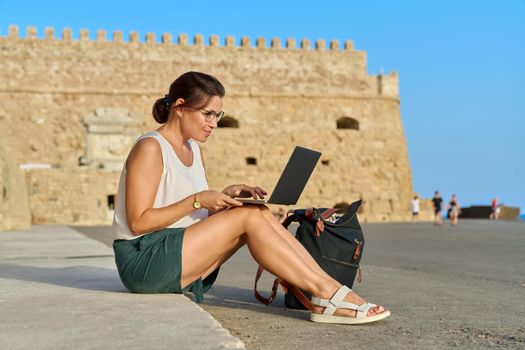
x=336 y=302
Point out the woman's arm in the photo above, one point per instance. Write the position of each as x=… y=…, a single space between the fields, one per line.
x=210 y=212
x=144 y=169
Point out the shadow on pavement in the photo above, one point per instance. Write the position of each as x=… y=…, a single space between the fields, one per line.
x=98 y=233
x=239 y=298
x=80 y=277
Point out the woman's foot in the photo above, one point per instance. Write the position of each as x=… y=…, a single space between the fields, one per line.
x=345 y=306
x=354 y=299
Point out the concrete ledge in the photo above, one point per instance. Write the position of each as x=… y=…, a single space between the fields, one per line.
x=60 y=289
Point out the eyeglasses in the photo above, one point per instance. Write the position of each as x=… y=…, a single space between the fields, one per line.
x=208 y=115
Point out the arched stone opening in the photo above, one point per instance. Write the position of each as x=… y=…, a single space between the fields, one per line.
x=347 y=123
x=228 y=122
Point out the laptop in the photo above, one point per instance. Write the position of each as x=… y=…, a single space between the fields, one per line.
x=293 y=178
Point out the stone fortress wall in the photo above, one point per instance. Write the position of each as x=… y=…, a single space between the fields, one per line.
x=71 y=109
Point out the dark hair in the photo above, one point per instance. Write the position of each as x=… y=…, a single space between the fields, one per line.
x=194 y=87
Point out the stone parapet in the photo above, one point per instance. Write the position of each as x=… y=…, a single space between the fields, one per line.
x=308 y=70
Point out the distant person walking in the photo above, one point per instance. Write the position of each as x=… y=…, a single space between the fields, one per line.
x=437 y=202
x=454 y=210
x=415 y=209
x=494 y=215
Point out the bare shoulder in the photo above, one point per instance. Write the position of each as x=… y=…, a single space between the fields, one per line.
x=147 y=144
x=147 y=152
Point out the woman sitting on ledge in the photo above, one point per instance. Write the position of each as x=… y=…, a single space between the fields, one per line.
x=172 y=233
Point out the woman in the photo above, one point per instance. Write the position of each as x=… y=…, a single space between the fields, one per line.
x=455 y=210
x=415 y=209
x=437 y=202
x=172 y=233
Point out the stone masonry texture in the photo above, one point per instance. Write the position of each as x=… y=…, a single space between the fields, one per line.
x=70 y=110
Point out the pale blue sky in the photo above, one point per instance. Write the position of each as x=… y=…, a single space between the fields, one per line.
x=461 y=65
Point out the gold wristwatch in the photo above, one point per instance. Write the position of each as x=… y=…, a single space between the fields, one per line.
x=196 y=203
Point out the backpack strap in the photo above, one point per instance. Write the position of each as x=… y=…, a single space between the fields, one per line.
x=290 y=217
x=314 y=214
x=298 y=294
x=287 y=287
x=350 y=212
x=258 y=296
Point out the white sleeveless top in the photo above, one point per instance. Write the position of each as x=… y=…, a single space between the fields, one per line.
x=177 y=182
x=415 y=205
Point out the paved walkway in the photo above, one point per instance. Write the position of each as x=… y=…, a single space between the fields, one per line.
x=447 y=287
x=60 y=290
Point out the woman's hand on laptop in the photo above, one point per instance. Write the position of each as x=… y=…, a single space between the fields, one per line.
x=216 y=201
x=244 y=191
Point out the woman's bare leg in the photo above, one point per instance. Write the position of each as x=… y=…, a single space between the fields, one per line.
x=209 y=243
x=298 y=247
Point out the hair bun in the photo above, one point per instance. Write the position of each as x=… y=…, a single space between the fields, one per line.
x=161 y=110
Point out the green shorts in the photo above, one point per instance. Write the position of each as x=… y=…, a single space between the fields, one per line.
x=151 y=264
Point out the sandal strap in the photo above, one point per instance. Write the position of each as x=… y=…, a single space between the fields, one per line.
x=336 y=302
x=325 y=302
x=362 y=310
x=319 y=301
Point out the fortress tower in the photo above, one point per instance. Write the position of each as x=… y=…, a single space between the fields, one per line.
x=70 y=111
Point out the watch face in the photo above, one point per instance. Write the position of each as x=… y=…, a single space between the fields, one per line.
x=197 y=205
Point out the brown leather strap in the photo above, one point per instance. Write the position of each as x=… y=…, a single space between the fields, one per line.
x=258 y=296
x=327 y=213
x=324 y=215
x=298 y=294
x=314 y=214
x=286 y=287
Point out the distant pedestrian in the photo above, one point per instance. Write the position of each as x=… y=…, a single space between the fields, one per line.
x=498 y=211
x=415 y=209
x=494 y=214
x=437 y=202
x=454 y=210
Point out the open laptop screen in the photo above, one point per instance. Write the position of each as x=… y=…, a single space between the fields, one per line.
x=295 y=176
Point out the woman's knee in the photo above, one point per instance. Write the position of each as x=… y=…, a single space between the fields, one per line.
x=266 y=212
x=248 y=213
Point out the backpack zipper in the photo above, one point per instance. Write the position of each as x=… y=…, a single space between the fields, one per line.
x=340 y=262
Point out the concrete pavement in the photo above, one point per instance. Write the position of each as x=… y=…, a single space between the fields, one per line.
x=447 y=287
x=60 y=290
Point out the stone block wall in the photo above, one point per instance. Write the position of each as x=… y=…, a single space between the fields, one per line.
x=281 y=94
x=14 y=202
x=80 y=196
